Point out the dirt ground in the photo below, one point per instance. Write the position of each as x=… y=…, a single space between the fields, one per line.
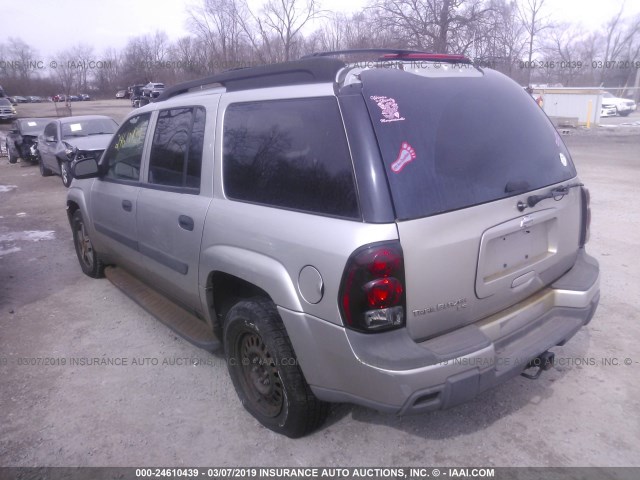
x=163 y=402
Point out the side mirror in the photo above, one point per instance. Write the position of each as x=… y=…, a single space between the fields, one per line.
x=85 y=168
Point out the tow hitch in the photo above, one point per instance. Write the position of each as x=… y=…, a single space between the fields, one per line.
x=542 y=362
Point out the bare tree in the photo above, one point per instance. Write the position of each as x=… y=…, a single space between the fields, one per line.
x=534 y=21
x=216 y=25
x=333 y=33
x=564 y=49
x=286 y=18
x=500 y=40
x=21 y=56
x=620 y=38
x=437 y=25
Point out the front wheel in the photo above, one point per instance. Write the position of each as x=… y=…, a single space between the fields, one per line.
x=89 y=260
x=265 y=371
x=12 y=158
x=65 y=173
x=44 y=171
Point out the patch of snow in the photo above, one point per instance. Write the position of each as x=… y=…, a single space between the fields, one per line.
x=28 y=235
x=9 y=250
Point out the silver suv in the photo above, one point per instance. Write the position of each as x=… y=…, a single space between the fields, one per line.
x=391 y=233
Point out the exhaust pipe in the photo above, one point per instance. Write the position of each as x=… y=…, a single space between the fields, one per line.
x=542 y=362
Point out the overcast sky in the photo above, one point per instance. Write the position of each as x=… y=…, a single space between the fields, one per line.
x=51 y=27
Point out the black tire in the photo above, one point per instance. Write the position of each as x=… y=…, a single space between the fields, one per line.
x=44 y=171
x=12 y=158
x=265 y=371
x=87 y=256
x=625 y=113
x=65 y=174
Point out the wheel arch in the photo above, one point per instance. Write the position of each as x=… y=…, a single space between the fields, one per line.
x=230 y=274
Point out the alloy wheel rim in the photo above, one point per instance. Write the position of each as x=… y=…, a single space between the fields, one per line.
x=84 y=246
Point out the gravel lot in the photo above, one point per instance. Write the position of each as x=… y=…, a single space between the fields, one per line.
x=161 y=409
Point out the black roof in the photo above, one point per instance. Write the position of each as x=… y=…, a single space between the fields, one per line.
x=298 y=72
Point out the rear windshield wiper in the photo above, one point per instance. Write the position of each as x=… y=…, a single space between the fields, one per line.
x=557 y=194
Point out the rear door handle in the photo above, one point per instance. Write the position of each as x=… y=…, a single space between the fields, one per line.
x=186 y=222
x=127 y=205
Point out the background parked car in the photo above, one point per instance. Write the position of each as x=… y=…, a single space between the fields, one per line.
x=67 y=139
x=20 y=99
x=623 y=106
x=84 y=97
x=22 y=139
x=7 y=110
x=608 y=111
x=121 y=94
x=153 y=89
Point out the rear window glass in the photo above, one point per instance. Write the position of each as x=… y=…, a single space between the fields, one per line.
x=450 y=143
x=291 y=154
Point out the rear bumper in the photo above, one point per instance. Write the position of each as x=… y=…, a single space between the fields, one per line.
x=390 y=372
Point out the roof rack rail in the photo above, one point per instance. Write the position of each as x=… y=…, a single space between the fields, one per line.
x=297 y=72
x=396 y=54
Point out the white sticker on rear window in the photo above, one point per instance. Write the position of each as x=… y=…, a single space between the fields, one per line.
x=405 y=155
x=563 y=160
x=32 y=124
x=389 y=107
x=75 y=127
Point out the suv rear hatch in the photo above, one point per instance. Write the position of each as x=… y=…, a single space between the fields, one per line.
x=461 y=147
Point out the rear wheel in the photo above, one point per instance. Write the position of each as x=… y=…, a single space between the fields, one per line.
x=89 y=260
x=265 y=371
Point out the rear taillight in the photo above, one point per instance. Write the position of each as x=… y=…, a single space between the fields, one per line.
x=586 y=216
x=372 y=293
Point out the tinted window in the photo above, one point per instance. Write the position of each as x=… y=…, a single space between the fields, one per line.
x=290 y=153
x=176 y=152
x=450 y=143
x=124 y=155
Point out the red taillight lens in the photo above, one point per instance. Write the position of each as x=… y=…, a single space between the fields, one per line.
x=372 y=294
x=384 y=292
x=586 y=216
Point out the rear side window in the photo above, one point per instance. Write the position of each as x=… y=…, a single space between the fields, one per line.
x=291 y=154
x=176 y=151
x=451 y=143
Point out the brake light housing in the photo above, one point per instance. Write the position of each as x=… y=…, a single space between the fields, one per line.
x=372 y=292
x=585 y=229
